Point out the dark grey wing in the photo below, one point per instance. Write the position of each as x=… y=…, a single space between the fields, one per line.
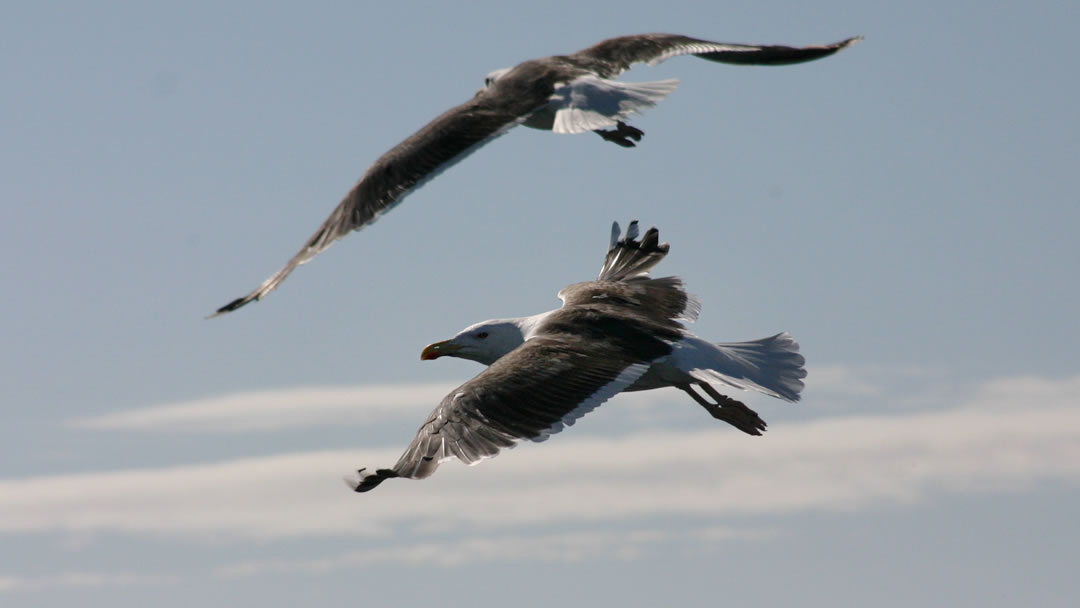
x=661 y=300
x=629 y=257
x=531 y=393
x=624 y=280
x=615 y=55
x=431 y=150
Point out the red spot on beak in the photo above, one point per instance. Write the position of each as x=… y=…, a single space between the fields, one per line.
x=431 y=351
x=439 y=349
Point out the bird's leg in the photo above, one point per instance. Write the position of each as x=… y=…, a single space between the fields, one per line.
x=727 y=409
x=737 y=408
x=622 y=135
x=709 y=407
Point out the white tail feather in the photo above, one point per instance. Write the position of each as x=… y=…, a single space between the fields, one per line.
x=772 y=365
x=589 y=103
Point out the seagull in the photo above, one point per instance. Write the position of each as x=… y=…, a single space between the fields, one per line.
x=564 y=94
x=621 y=332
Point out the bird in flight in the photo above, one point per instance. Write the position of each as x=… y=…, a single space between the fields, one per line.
x=621 y=332
x=564 y=93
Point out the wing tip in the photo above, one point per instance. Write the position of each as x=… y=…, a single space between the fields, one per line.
x=363 y=481
x=631 y=256
x=843 y=44
x=231 y=306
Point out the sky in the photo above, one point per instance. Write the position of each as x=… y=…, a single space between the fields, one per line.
x=907 y=209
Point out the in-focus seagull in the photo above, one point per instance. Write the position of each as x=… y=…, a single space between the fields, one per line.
x=564 y=93
x=621 y=332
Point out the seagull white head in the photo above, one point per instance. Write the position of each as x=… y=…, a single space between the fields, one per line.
x=484 y=342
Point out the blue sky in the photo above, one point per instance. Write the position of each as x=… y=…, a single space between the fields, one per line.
x=907 y=209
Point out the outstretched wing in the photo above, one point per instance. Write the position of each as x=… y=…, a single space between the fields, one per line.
x=431 y=150
x=629 y=257
x=536 y=390
x=615 y=55
x=624 y=280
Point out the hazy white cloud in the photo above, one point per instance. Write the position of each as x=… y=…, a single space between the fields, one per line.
x=275 y=410
x=563 y=547
x=1007 y=435
x=852 y=387
x=81 y=579
x=278 y=409
x=842 y=379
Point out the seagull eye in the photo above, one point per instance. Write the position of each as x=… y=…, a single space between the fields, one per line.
x=487 y=81
x=482 y=335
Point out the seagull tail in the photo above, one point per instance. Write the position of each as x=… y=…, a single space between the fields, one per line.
x=771 y=365
x=629 y=257
x=596 y=103
x=640 y=96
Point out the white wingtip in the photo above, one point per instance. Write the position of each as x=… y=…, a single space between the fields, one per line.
x=352 y=480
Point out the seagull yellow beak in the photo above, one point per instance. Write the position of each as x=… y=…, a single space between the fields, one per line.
x=438 y=349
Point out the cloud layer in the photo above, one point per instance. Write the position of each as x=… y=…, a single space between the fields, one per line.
x=290 y=409
x=1008 y=435
x=275 y=410
x=576 y=546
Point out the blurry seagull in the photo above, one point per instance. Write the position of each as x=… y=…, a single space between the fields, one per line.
x=564 y=93
x=618 y=333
